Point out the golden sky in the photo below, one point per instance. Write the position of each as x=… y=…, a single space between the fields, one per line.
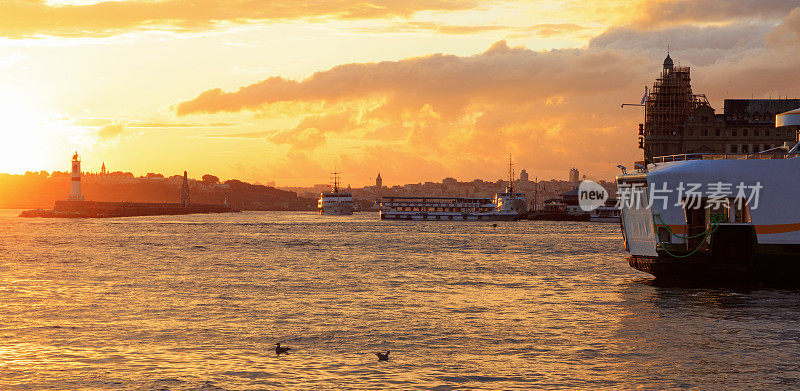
x=419 y=90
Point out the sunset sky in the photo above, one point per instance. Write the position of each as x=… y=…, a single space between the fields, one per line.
x=419 y=90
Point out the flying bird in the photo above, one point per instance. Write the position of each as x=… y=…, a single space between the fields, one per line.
x=494 y=225
x=383 y=356
x=281 y=350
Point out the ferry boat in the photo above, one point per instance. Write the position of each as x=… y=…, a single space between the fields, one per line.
x=510 y=201
x=746 y=228
x=335 y=202
x=442 y=208
x=605 y=214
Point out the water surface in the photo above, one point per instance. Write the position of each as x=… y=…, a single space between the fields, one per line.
x=197 y=302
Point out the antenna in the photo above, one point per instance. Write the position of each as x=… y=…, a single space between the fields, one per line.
x=335 y=181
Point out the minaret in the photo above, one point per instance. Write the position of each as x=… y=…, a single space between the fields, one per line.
x=103 y=169
x=185 y=191
x=75 y=186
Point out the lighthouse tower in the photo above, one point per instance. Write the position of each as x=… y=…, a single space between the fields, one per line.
x=75 y=187
x=185 y=191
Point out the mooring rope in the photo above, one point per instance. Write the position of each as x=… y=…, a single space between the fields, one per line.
x=714 y=220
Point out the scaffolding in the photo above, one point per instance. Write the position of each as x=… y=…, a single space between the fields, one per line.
x=668 y=106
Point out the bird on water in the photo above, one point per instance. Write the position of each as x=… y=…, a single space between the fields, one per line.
x=281 y=350
x=494 y=225
x=383 y=356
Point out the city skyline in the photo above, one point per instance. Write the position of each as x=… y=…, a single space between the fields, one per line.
x=418 y=90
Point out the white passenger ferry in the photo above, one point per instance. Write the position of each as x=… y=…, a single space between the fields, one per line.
x=747 y=227
x=335 y=202
x=604 y=214
x=442 y=208
x=510 y=201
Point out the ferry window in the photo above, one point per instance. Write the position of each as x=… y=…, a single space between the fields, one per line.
x=744 y=132
x=734 y=149
x=778 y=132
x=744 y=149
x=704 y=118
x=768 y=116
x=741 y=212
x=705 y=132
x=756 y=116
x=755 y=132
x=733 y=132
x=766 y=133
x=716 y=132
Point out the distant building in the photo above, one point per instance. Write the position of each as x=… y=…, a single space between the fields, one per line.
x=523 y=175
x=103 y=169
x=574 y=175
x=678 y=121
x=378 y=181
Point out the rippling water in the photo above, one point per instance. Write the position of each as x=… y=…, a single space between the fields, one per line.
x=197 y=302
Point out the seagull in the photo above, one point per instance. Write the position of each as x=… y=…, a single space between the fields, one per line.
x=279 y=350
x=621 y=167
x=383 y=356
x=494 y=225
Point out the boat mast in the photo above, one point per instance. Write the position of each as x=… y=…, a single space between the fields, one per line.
x=510 y=176
x=335 y=182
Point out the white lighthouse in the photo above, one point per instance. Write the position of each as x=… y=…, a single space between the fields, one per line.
x=75 y=187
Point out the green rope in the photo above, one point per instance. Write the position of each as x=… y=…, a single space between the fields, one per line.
x=714 y=221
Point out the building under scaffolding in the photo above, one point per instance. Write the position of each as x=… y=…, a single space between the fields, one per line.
x=668 y=106
x=678 y=121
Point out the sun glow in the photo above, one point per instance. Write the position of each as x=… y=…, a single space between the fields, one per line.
x=28 y=136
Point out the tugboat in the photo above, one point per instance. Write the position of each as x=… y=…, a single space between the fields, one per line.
x=715 y=216
x=335 y=202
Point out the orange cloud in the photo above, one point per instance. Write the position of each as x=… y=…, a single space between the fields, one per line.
x=552 y=109
x=31 y=18
x=671 y=12
x=788 y=32
x=450 y=111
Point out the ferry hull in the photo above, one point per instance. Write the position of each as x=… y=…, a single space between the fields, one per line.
x=336 y=209
x=448 y=217
x=761 y=268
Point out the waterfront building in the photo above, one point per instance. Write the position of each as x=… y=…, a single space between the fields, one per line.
x=677 y=121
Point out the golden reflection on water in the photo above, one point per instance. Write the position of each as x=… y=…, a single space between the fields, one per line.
x=197 y=302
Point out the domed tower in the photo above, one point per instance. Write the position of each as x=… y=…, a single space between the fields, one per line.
x=668 y=64
x=379 y=181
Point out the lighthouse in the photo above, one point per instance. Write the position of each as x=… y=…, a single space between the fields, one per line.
x=185 y=191
x=75 y=186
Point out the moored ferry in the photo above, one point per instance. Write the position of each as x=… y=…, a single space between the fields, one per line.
x=442 y=208
x=604 y=214
x=335 y=202
x=715 y=215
